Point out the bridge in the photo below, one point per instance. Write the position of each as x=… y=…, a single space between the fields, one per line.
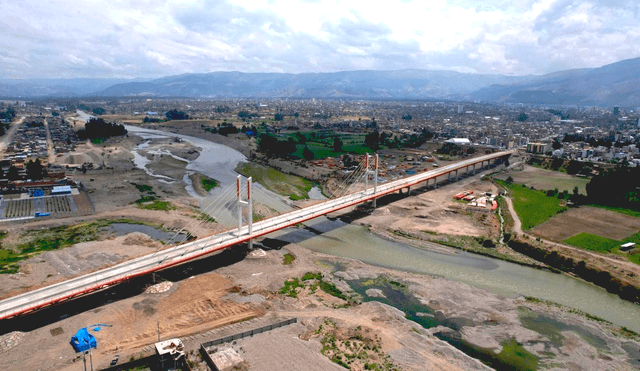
x=181 y=253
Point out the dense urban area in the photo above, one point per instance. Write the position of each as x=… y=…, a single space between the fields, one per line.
x=530 y=261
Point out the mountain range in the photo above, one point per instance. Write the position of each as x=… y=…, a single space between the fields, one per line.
x=609 y=85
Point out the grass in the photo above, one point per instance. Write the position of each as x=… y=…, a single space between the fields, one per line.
x=532 y=206
x=208 y=184
x=157 y=205
x=35 y=242
x=605 y=245
x=547 y=179
x=288 y=259
x=276 y=181
x=516 y=356
x=592 y=242
x=150 y=201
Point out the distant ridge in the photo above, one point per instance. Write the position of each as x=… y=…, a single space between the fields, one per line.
x=614 y=84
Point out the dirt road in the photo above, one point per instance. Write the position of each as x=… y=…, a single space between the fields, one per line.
x=517 y=228
x=6 y=139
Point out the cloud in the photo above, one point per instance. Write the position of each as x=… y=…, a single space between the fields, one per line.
x=73 y=38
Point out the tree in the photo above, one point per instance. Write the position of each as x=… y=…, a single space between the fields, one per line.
x=406 y=117
x=556 y=144
x=174 y=114
x=307 y=154
x=34 y=169
x=278 y=117
x=98 y=128
x=337 y=144
x=522 y=117
x=509 y=179
x=372 y=140
x=12 y=173
x=98 y=111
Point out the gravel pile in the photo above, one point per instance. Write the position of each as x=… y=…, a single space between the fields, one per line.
x=10 y=340
x=158 y=288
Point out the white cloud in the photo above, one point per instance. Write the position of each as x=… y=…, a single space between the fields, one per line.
x=71 y=38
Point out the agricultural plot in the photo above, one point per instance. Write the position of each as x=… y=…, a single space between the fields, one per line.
x=83 y=204
x=18 y=208
x=546 y=179
x=58 y=204
x=593 y=220
x=533 y=207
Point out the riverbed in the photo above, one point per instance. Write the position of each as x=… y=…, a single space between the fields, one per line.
x=498 y=276
x=215 y=161
x=350 y=241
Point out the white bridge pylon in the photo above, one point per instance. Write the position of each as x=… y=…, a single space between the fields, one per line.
x=183 y=252
x=248 y=203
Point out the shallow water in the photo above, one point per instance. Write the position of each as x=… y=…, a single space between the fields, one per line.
x=509 y=279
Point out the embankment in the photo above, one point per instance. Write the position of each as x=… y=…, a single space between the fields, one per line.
x=616 y=279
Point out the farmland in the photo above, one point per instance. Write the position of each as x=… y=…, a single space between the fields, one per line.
x=532 y=206
x=546 y=179
x=596 y=221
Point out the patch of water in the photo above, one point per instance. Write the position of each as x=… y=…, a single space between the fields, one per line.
x=315 y=193
x=355 y=242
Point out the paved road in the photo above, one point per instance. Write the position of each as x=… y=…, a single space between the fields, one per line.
x=192 y=250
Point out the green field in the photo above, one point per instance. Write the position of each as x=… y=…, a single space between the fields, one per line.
x=295 y=187
x=592 y=242
x=603 y=245
x=532 y=206
x=321 y=143
x=543 y=179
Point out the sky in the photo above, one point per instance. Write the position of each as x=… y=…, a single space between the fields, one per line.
x=147 y=39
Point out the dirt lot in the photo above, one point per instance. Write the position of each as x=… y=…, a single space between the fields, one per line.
x=592 y=220
x=436 y=211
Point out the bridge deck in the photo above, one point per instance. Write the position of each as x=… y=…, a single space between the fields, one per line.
x=181 y=253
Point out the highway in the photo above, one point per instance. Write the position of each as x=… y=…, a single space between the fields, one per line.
x=81 y=285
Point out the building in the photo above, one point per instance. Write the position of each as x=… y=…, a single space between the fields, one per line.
x=459 y=141
x=171 y=354
x=538 y=147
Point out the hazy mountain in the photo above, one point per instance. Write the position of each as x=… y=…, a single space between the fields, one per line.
x=31 y=88
x=613 y=84
x=352 y=84
x=610 y=85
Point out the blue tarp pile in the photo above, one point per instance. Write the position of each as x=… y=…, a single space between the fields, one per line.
x=83 y=340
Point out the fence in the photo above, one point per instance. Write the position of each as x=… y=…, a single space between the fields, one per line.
x=237 y=336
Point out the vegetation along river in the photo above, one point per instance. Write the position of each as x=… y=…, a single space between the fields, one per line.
x=512 y=280
x=356 y=242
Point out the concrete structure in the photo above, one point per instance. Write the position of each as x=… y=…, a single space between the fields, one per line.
x=538 y=147
x=179 y=254
x=170 y=354
x=225 y=359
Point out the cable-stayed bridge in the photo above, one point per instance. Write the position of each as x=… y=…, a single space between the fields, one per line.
x=360 y=185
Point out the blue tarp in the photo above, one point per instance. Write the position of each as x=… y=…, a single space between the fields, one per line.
x=83 y=340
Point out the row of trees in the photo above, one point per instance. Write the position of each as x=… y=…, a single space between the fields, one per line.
x=174 y=114
x=35 y=171
x=8 y=115
x=617 y=187
x=98 y=128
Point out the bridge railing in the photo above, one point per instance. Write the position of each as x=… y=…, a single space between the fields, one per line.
x=184 y=252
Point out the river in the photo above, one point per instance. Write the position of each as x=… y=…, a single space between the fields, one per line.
x=351 y=241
